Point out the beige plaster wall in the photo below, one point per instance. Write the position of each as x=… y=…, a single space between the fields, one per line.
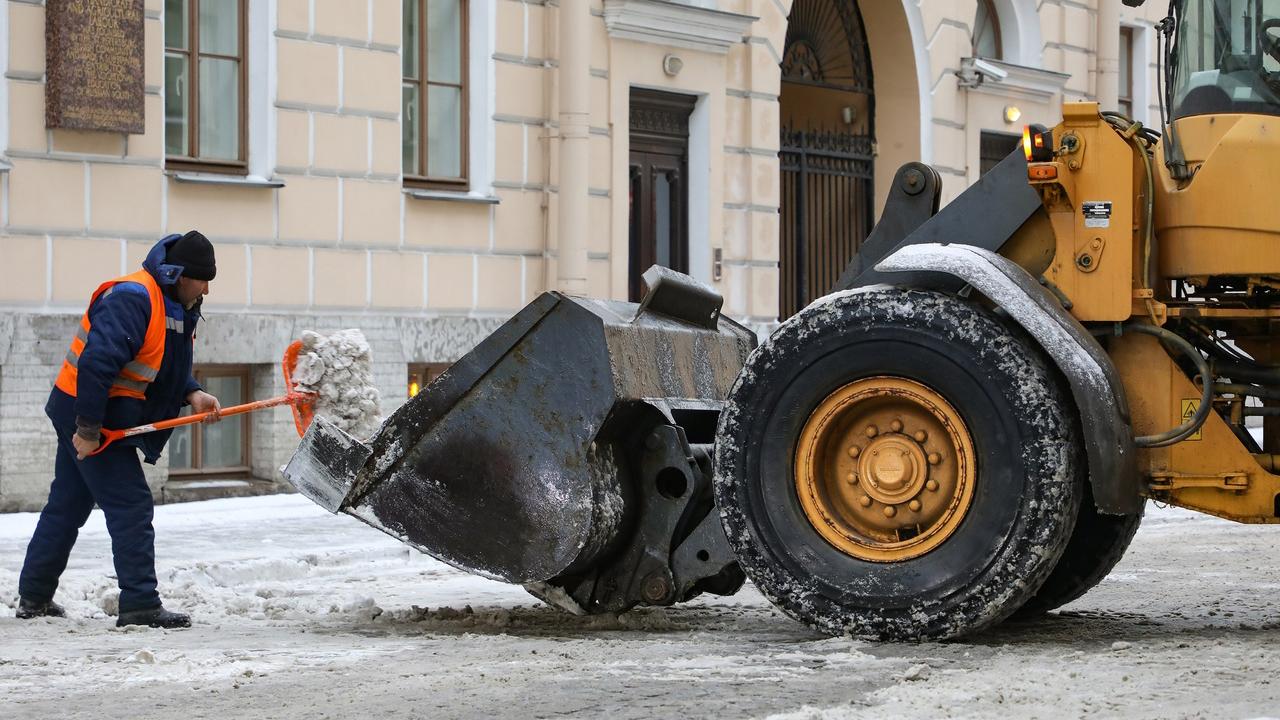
x=81 y=207
x=341 y=234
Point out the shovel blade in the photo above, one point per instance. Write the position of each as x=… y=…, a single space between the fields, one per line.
x=324 y=466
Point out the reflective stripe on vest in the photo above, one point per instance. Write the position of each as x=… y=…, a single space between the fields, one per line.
x=139 y=372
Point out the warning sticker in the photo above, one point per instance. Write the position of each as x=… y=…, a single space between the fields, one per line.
x=1097 y=213
x=1189 y=408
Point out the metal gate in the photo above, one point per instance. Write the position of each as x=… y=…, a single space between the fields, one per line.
x=826 y=211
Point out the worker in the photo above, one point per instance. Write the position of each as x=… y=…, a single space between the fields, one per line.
x=129 y=364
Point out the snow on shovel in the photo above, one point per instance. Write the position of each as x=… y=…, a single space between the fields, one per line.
x=327 y=375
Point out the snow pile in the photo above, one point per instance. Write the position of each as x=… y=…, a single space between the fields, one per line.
x=339 y=370
x=308 y=614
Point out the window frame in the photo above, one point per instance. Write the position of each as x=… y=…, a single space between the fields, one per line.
x=192 y=161
x=245 y=469
x=1125 y=94
x=993 y=16
x=463 y=181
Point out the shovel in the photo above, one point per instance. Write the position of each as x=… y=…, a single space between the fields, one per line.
x=302 y=404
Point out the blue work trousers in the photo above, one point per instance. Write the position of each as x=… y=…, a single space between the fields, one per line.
x=114 y=480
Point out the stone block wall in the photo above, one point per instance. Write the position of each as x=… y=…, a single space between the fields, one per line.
x=32 y=347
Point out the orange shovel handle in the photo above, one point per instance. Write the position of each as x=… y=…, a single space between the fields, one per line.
x=293 y=398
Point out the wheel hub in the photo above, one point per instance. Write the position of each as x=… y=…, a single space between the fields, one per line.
x=894 y=468
x=884 y=469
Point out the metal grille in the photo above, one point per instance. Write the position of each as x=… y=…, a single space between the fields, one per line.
x=827 y=45
x=826 y=211
x=994 y=147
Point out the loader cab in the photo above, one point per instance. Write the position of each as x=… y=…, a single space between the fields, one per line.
x=1225 y=58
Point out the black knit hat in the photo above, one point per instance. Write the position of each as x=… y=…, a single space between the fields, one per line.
x=194 y=253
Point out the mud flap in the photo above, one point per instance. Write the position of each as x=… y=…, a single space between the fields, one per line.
x=1095 y=384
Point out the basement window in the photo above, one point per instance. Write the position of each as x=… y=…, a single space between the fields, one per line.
x=422 y=374
x=221 y=448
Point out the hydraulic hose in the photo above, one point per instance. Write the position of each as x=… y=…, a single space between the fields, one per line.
x=1251 y=374
x=1247 y=390
x=1131 y=131
x=1183 y=431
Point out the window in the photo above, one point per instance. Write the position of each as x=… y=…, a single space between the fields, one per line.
x=422 y=375
x=434 y=123
x=221 y=448
x=205 y=80
x=994 y=147
x=1126 y=71
x=986 y=32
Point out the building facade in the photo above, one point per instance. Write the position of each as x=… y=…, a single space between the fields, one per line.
x=421 y=169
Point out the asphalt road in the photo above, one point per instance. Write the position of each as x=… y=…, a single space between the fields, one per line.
x=304 y=615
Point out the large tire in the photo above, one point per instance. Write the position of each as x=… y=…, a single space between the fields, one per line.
x=1097 y=544
x=1024 y=496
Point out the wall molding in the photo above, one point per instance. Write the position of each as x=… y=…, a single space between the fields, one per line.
x=676 y=24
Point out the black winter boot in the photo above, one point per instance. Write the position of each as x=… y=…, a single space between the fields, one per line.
x=156 y=617
x=28 y=609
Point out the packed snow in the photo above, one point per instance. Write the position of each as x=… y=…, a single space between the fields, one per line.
x=303 y=614
x=338 y=368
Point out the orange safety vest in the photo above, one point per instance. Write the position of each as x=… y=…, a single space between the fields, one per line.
x=139 y=372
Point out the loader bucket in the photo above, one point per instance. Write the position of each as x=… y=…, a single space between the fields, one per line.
x=517 y=462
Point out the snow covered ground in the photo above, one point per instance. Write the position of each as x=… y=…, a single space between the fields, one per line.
x=300 y=614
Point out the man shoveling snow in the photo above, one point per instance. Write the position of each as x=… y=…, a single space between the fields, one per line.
x=129 y=363
x=98 y=464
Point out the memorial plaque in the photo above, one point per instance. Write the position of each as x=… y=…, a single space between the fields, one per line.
x=94 y=60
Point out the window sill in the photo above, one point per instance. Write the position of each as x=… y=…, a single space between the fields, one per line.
x=216 y=179
x=187 y=489
x=450 y=196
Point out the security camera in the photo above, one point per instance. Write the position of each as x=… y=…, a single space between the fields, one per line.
x=975 y=71
x=988 y=71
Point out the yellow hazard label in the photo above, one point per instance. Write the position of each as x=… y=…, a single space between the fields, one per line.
x=1189 y=408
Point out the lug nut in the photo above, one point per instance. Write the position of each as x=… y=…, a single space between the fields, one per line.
x=854 y=451
x=921 y=436
x=864 y=501
x=914 y=505
x=890 y=511
x=934 y=458
x=852 y=478
x=896 y=425
x=872 y=431
x=932 y=486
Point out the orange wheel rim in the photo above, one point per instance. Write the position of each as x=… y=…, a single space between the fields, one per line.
x=885 y=469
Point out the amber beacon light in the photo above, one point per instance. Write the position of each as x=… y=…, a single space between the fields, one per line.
x=1037 y=143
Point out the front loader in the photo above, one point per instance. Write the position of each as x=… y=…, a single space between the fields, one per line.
x=966 y=429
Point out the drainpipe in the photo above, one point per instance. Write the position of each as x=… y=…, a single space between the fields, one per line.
x=575 y=115
x=1108 y=58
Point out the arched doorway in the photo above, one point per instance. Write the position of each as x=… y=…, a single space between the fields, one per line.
x=827 y=108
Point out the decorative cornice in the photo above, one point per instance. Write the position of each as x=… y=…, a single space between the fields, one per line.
x=660 y=121
x=1020 y=81
x=673 y=23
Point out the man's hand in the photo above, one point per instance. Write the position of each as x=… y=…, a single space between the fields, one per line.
x=201 y=401
x=84 y=447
